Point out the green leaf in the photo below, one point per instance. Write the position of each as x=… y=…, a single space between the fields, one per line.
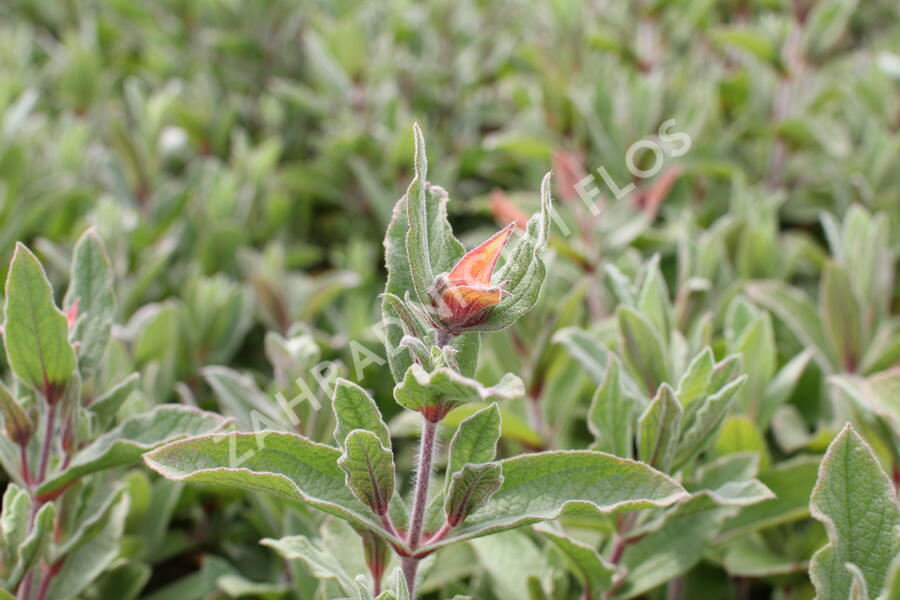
x=842 y=315
x=442 y=389
x=673 y=548
x=611 y=415
x=524 y=270
x=892 y=584
x=370 y=469
x=780 y=388
x=799 y=314
x=107 y=405
x=792 y=482
x=320 y=562
x=752 y=557
x=590 y=352
x=21 y=543
x=475 y=440
x=355 y=409
x=653 y=300
x=395 y=587
x=238 y=395
x=16 y=421
x=700 y=426
x=509 y=560
x=826 y=23
x=92 y=288
x=93 y=555
x=643 y=350
x=658 y=429
x=750 y=334
x=512 y=426
x=694 y=383
x=740 y=434
x=858 y=505
x=539 y=487
x=594 y=572
x=36 y=333
x=418 y=250
x=131 y=439
x=470 y=488
x=283 y=464
x=750 y=41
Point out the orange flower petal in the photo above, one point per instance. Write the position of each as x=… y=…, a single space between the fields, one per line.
x=462 y=301
x=477 y=266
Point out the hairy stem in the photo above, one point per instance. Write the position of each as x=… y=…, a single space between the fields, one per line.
x=47 y=445
x=675 y=589
x=443 y=338
x=45 y=586
x=26 y=469
x=622 y=542
x=420 y=501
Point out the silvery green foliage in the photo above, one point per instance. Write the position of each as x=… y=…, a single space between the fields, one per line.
x=858 y=504
x=56 y=442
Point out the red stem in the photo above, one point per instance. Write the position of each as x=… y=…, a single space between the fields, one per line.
x=420 y=501
x=26 y=470
x=47 y=445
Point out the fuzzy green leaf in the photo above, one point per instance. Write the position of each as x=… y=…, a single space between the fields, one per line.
x=93 y=555
x=799 y=314
x=370 y=469
x=611 y=415
x=470 y=488
x=539 y=487
x=92 y=288
x=444 y=388
x=283 y=464
x=694 y=383
x=418 y=244
x=858 y=505
x=658 y=429
x=700 y=426
x=320 y=562
x=653 y=299
x=354 y=408
x=475 y=440
x=643 y=350
x=35 y=332
x=842 y=315
x=22 y=543
x=590 y=352
x=108 y=404
x=16 y=421
x=792 y=482
x=131 y=439
x=594 y=572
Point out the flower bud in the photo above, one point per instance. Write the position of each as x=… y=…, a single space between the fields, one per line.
x=463 y=298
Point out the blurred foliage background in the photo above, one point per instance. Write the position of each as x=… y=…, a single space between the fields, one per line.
x=241 y=159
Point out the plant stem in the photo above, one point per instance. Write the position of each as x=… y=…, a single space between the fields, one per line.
x=420 y=501
x=622 y=542
x=675 y=589
x=388 y=524
x=47 y=445
x=440 y=533
x=26 y=469
x=443 y=338
x=45 y=586
x=25 y=587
